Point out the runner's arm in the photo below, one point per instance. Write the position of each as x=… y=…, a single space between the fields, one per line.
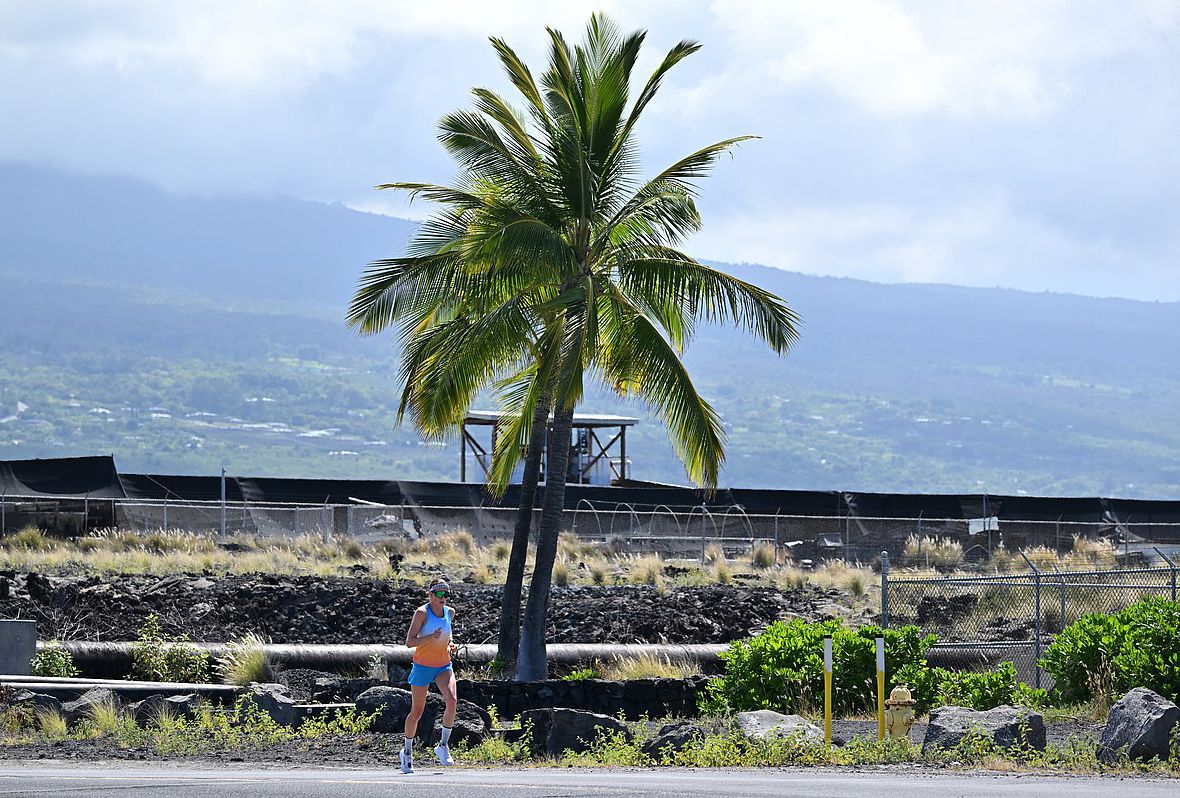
x=412 y=638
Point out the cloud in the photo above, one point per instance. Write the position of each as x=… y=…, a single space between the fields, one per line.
x=982 y=241
x=1024 y=143
x=963 y=58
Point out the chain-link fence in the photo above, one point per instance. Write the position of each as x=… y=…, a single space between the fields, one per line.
x=675 y=531
x=983 y=620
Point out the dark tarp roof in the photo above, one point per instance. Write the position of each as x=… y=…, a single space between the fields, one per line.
x=97 y=477
x=64 y=477
x=320 y=491
x=904 y=505
x=1045 y=508
x=172 y=486
x=1140 y=511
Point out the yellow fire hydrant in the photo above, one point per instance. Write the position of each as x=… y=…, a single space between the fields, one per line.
x=899 y=712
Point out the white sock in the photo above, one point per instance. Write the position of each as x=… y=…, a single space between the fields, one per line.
x=446 y=736
x=409 y=746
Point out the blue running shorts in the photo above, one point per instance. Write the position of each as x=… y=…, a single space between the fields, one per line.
x=421 y=675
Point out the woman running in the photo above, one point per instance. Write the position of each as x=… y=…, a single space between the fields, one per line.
x=430 y=637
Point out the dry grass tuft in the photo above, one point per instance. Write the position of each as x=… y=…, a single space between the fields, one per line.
x=246 y=661
x=600 y=572
x=561 y=572
x=30 y=538
x=501 y=550
x=932 y=552
x=646 y=666
x=1096 y=554
x=763 y=556
x=1043 y=557
x=714 y=554
x=482 y=575
x=647 y=570
x=722 y=574
x=52 y=724
x=792 y=578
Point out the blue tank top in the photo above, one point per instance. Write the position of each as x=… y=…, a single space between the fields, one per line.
x=434 y=653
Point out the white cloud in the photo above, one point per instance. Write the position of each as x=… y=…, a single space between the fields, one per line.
x=270 y=45
x=981 y=242
x=1018 y=142
x=890 y=58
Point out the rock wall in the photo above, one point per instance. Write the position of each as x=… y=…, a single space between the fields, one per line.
x=309 y=609
x=655 y=698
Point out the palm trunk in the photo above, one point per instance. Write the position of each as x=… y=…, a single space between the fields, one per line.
x=510 y=607
x=533 y=664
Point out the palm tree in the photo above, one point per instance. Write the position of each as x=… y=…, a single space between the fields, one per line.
x=550 y=260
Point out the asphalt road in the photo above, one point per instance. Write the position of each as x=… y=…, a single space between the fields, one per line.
x=167 y=782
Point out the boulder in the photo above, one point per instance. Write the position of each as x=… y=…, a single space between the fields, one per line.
x=392 y=704
x=83 y=707
x=1142 y=723
x=672 y=738
x=148 y=710
x=1004 y=726
x=763 y=723
x=40 y=702
x=274 y=701
x=328 y=689
x=557 y=730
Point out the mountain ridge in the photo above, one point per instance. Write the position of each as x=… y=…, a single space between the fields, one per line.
x=892 y=387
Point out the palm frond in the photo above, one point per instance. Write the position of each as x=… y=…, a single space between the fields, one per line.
x=665 y=275
x=647 y=361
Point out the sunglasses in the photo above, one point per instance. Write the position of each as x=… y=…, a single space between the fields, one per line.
x=441 y=593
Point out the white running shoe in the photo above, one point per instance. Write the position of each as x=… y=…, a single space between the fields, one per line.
x=407 y=761
x=444 y=755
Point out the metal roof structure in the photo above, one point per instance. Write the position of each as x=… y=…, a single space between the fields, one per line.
x=490 y=418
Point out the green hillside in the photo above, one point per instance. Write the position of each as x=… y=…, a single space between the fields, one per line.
x=230 y=350
x=176 y=384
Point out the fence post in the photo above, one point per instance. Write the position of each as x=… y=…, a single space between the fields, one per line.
x=880 y=641
x=165 y=513
x=3 y=510
x=325 y=535
x=223 y=502
x=702 y=534
x=1171 y=566
x=1061 y=579
x=884 y=590
x=827 y=691
x=1037 y=643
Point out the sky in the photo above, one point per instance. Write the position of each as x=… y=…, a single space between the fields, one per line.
x=1029 y=144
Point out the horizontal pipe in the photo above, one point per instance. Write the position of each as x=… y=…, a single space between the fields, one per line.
x=69 y=689
x=114 y=658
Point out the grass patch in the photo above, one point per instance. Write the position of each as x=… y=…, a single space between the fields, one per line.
x=647 y=666
x=647 y=570
x=763 y=556
x=245 y=660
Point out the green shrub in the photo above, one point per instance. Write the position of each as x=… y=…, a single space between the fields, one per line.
x=935 y=687
x=1108 y=655
x=582 y=674
x=980 y=690
x=156 y=657
x=782 y=668
x=53 y=660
